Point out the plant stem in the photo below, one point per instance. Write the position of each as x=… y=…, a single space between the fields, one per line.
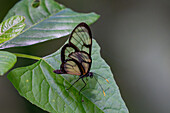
x=27 y=56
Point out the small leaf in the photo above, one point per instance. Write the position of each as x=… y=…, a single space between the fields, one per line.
x=7 y=61
x=48 y=21
x=42 y=87
x=11 y=27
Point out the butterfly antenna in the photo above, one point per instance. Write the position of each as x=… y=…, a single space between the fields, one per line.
x=100 y=86
x=101 y=76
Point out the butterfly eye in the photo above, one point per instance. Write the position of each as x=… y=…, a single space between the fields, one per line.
x=90 y=74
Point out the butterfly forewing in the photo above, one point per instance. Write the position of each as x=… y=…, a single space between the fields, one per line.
x=66 y=50
x=81 y=37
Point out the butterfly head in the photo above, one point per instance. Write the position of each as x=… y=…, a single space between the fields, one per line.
x=90 y=74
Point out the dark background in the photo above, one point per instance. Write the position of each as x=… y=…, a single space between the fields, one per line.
x=135 y=40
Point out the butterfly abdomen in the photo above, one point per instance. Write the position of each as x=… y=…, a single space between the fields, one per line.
x=58 y=71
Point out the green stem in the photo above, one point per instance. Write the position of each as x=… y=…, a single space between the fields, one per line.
x=27 y=56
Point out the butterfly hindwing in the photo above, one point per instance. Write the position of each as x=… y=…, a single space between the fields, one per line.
x=83 y=58
x=71 y=67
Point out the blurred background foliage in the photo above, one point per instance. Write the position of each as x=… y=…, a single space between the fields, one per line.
x=135 y=40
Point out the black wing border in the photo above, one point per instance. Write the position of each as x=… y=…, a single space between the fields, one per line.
x=64 y=48
x=89 y=32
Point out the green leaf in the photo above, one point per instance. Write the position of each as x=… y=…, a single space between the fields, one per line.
x=11 y=27
x=48 y=21
x=7 y=61
x=42 y=87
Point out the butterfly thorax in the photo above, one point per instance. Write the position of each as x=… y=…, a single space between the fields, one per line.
x=89 y=74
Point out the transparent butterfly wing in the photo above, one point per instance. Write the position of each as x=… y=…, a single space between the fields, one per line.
x=66 y=50
x=81 y=37
x=71 y=67
x=83 y=58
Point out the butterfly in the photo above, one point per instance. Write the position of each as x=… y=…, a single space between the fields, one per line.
x=76 y=55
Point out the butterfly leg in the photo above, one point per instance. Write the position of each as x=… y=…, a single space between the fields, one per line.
x=83 y=86
x=73 y=83
x=86 y=79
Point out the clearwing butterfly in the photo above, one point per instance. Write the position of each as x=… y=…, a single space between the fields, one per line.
x=76 y=55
